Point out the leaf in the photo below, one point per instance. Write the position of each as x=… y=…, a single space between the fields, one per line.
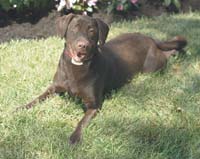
x=168 y=2
x=89 y=9
x=77 y=7
x=5 y=5
x=177 y=3
x=124 y=1
x=110 y=8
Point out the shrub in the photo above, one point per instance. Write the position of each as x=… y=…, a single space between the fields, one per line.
x=128 y=5
x=176 y=3
x=21 y=5
x=121 y=5
x=83 y=6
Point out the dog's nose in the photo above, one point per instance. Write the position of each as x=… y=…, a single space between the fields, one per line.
x=83 y=44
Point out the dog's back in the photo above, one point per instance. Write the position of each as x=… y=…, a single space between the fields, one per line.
x=131 y=53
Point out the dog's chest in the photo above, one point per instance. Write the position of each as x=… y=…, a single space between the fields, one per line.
x=80 y=89
x=80 y=84
x=74 y=87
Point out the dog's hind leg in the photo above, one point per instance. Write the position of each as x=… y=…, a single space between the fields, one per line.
x=170 y=53
x=155 y=60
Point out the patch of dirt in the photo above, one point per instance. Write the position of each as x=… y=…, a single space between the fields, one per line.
x=29 y=28
x=42 y=25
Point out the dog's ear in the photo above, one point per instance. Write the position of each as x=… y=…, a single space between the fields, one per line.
x=62 y=24
x=103 y=31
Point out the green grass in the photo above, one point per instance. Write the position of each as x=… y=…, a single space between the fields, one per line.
x=156 y=116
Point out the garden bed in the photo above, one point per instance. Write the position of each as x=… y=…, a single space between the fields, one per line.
x=36 y=26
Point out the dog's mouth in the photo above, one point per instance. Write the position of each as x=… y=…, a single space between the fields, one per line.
x=77 y=58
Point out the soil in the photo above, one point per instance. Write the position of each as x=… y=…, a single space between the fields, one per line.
x=42 y=25
x=35 y=26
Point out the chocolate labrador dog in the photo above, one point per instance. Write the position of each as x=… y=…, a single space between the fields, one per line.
x=89 y=67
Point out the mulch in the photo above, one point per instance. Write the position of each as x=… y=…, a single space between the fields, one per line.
x=29 y=28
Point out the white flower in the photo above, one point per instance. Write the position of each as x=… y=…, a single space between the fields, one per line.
x=92 y=2
x=73 y=1
x=61 y=5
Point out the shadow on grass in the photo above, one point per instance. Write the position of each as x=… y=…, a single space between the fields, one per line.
x=187 y=26
x=31 y=138
x=187 y=98
x=145 y=139
x=166 y=26
x=35 y=139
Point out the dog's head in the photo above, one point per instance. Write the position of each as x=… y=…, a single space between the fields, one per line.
x=82 y=35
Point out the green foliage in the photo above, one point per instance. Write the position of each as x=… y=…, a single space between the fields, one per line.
x=176 y=3
x=121 y=5
x=20 y=5
x=84 y=6
x=5 y=5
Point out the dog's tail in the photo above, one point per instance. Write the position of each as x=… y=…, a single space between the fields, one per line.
x=177 y=43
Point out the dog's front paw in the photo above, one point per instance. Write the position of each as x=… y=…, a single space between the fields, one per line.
x=75 y=138
x=28 y=106
x=19 y=108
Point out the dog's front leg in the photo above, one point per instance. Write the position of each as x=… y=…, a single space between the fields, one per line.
x=76 y=135
x=54 y=88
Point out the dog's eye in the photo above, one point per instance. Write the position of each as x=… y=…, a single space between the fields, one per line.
x=91 y=32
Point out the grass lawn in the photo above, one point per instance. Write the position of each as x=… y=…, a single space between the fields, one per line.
x=156 y=116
